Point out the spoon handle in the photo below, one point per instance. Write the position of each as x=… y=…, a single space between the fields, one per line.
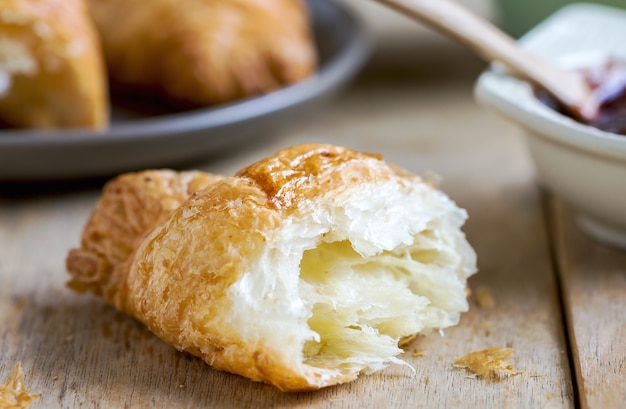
x=493 y=45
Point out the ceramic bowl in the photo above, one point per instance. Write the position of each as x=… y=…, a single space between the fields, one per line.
x=581 y=164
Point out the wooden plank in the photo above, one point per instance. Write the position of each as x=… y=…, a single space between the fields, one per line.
x=414 y=106
x=593 y=278
x=79 y=352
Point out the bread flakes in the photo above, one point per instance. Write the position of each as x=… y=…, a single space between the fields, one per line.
x=484 y=298
x=13 y=393
x=491 y=363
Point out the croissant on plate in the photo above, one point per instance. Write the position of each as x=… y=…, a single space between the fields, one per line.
x=51 y=69
x=202 y=52
x=303 y=270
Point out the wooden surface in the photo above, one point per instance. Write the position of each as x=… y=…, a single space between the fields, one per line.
x=414 y=105
x=593 y=279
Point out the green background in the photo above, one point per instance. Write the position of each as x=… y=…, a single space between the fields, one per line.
x=518 y=16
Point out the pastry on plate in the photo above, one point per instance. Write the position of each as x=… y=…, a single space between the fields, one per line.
x=201 y=52
x=51 y=69
x=303 y=270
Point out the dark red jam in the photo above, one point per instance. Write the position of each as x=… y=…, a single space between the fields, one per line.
x=608 y=86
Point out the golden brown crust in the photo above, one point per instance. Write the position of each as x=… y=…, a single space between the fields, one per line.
x=196 y=321
x=51 y=69
x=305 y=171
x=131 y=206
x=218 y=234
x=202 y=52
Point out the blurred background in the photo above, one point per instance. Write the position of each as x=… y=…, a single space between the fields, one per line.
x=515 y=16
x=518 y=16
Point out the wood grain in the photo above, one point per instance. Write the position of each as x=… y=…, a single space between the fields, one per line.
x=80 y=353
x=593 y=278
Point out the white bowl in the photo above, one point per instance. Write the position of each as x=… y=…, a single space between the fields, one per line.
x=583 y=165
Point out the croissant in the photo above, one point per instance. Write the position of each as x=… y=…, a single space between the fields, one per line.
x=303 y=270
x=201 y=52
x=51 y=69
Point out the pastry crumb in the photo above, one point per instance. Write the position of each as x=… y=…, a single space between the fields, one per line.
x=483 y=297
x=486 y=326
x=13 y=393
x=491 y=363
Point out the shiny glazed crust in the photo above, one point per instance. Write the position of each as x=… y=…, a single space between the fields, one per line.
x=199 y=52
x=51 y=69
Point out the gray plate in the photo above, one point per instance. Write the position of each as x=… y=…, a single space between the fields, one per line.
x=138 y=139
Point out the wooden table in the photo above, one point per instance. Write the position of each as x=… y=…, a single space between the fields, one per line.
x=559 y=297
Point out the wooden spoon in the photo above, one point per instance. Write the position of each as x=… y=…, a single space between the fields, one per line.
x=494 y=45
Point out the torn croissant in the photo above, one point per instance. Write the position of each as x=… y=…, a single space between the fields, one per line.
x=199 y=52
x=51 y=69
x=303 y=270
